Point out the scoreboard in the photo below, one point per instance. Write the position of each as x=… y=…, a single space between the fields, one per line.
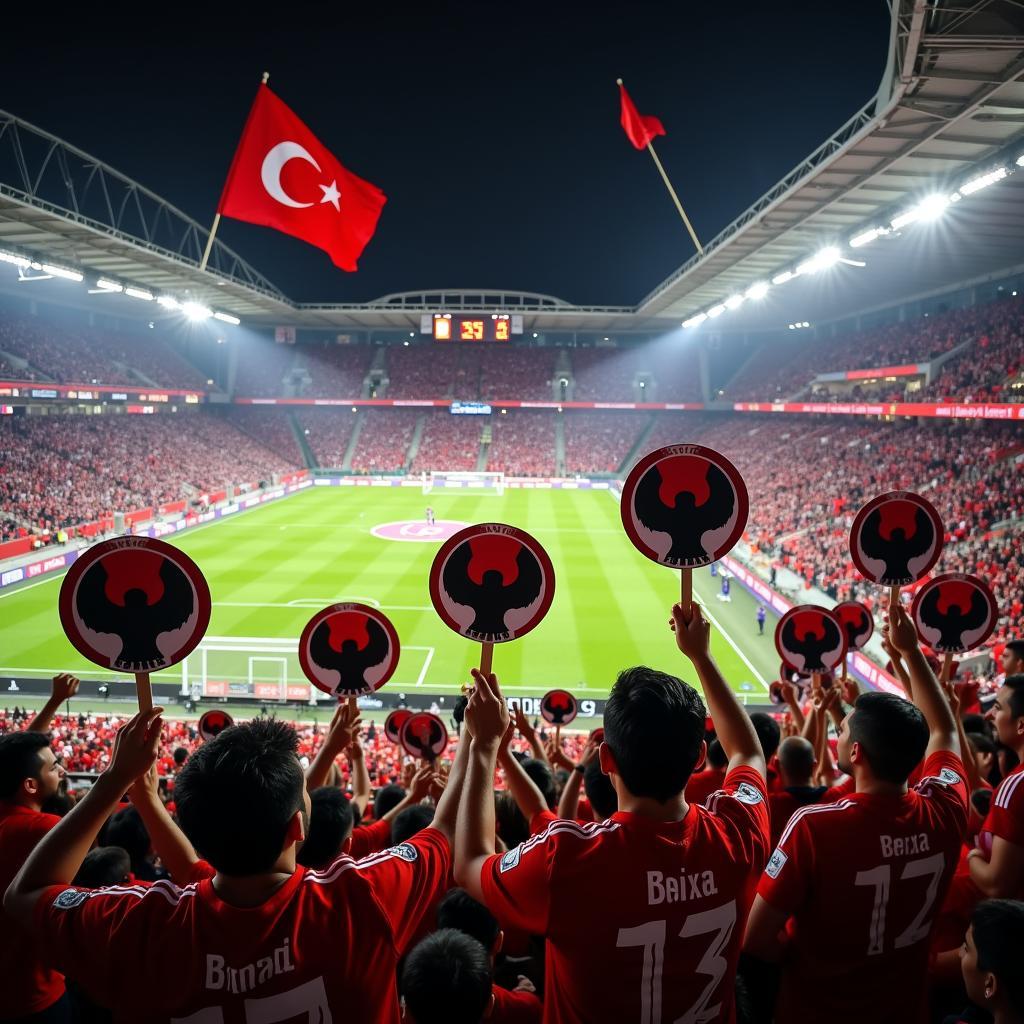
x=478 y=328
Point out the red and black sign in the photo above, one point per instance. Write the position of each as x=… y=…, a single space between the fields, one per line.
x=788 y=674
x=134 y=604
x=394 y=722
x=810 y=639
x=492 y=583
x=558 y=707
x=349 y=649
x=857 y=623
x=684 y=506
x=896 y=539
x=423 y=735
x=213 y=723
x=955 y=613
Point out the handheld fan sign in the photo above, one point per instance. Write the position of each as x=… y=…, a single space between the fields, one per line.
x=896 y=539
x=858 y=625
x=213 y=723
x=559 y=707
x=423 y=734
x=684 y=506
x=955 y=613
x=349 y=649
x=394 y=722
x=135 y=604
x=810 y=639
x=492 y=583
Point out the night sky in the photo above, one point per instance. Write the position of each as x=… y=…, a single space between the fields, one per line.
x=492 y=128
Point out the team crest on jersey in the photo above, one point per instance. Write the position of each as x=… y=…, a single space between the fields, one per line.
x=776 y=863
x=747 y=794
x=69 y=899
x=405 y=851
x=949 y=777
x=509 y=860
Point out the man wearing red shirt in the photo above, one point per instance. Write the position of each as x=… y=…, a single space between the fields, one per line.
x=643 y=912
x=29 y=775
x=859 y=881
x=261 y=941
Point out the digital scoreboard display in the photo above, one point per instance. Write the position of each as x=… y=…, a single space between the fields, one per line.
x=481 y=328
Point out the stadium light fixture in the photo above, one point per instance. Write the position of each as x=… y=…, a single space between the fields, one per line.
x=786 y=275
x=168 y=302
x=227 y=318
x=983 y=181
x=139 y=293
x=196 y=311
x=867 y=237
x=1020 y=160
x=68 y=275
x=716 y=310
x=733 y=301
x=821 y=260
x=105 y=285
x=759 y=290
x=18 y=261
x=695 y=321
x=927 y=209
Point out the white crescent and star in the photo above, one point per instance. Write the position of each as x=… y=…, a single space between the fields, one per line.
x=270 y=173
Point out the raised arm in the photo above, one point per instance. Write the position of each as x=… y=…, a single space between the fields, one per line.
x=732 y=724
x=169 y=842
x=569 y=802
x=527 y=795
x=360 y=777
x=529 y=734
x=57 y=858
x=446 y=814
x=927 y=693
x=898 y=668
x=344 y=725
x=62 y=688
x=791 y=695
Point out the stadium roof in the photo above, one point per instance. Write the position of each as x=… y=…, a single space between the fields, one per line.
x=950 y=107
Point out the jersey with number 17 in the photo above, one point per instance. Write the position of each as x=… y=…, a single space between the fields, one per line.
x=643 y=918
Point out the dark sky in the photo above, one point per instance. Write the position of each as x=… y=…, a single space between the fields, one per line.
x=493 y=128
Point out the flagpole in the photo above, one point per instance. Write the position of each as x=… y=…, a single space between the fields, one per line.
x=675 y=198
x=216 y=219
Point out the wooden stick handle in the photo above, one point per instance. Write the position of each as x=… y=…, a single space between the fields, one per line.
x=686 y=590
x=145 y=691
x=209 y=242
x=947 y=668
x=486 y=656
x=894 y=596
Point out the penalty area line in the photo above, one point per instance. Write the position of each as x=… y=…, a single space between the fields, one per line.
x=736 y=647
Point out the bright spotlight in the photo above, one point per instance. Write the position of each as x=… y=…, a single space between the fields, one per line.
x=227 y=318
x=758 y=291
x=1020 y=160
x=976 y=184
x=68 y=275
x=696 y=320
x=932 y=206
x=786 y=275
x=196 y=311
x=866 y=237
x=821 y=260
x=140 y=293
x=733 y=301
x=716 y=311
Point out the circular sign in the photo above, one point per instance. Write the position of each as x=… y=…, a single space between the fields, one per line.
x=424 y=735
x=134 y=604
x=896 y=539
x=684 y=506
x=558 y=707
x=349 y=649
x=955 y=613
x=492 y=583
x=394 y=722
x=788 y=674
x=857 y=622
x=213 y=723
x=810 y=639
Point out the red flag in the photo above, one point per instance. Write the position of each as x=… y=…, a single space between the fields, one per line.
x=284 y=178
x=639 y=128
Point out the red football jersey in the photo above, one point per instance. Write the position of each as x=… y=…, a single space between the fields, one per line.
x=367 y=839
x=323 y=947
x=643 y=919
x=29 y=986
x=702 y=784
x=863 y=879
x=1005 y=816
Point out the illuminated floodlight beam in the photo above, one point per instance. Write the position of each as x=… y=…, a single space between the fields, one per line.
x=695 y=321
x=68 y=275
x=109 y=286
x=929 y=208
x=786 y=275
x=139 y=293
x=196 y=311
x=758 y=290
x=18 y=261
x=867 y=237
x=716 y=310
x=821 y=260
x=733 y=301
x=168 y=302
x=227 y=318
x=983 y=181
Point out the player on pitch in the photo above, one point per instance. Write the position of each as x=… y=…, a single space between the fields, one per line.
x=430 y=516
x=674 y=879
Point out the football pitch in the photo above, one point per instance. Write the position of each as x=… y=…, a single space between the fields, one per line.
x=272 y=567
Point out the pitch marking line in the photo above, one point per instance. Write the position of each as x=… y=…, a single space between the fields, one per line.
x=732 y=643
x=317 y=603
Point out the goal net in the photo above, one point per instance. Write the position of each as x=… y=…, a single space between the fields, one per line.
x=481 y=482
x=246 y=666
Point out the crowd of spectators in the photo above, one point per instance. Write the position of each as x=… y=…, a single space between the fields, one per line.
x=335 y=371
x=523 y=443
x=517 y=373
x=449 y=442
x=385 y=437
x=328 y=432
x=264 y=368
x=270 y=427
x=598 y=442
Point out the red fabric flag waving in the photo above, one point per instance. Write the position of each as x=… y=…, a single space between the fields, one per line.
x=639 y=128
x=284 y=178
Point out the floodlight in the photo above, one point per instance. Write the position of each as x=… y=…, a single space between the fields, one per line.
x=976 y=184
x=786 y=275
x=821 y=260
x=169 y=302
x=932 y=206
x=18 y=261
x=109 y=286
x=716 y=311
x=695 y=320
x=140 y=293
x=758 y=291
x=1020 y=160
x=227 y=318
x=68 y=275
x=733 y=301
x=196 y=311
x=866 y=237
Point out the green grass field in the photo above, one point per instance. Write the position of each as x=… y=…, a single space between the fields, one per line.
x=270 y=568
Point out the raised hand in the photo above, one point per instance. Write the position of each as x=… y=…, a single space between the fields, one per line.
x=421 y=782
x=902 y=632
x=63 y=687
x=693 y=636
x=146 y=787
x=344 y=726
x=487 y=714
x=557 y=756
x=523 y=726
x=135 y=746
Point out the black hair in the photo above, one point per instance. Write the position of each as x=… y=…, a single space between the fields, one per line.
x=387 y=797
x=238 y=793
x=459 y=708
x=654 y=727
x=768 y=732
x=106 y=865
x=180 y=755
x=976 y=723
x=717 y=757
x=796 y=757
x=544 y=779
x=446 y=979
x=600 y=791
x=126 y=829
x=330 y=824
x=981 y=801
x=20 y=760
x=998 y=927
x=460 y=911
x=58 y=804
x=1015 y=684
x=892 y=733
x=1016 y=647
x=511 y=824
x=410 y=821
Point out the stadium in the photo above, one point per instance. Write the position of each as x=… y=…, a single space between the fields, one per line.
x=858 y=329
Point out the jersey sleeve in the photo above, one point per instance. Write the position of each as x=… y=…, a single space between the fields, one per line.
x=1006 y=814
x=742 y=804
x=944 y=786
x=541 y=820
x=785 y=883
x=516 y=884
x=370 y=838
x=408 y=879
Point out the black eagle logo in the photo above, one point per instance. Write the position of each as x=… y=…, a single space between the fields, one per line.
x=424 y=735
x=811 y=643
x=559 y=706
x=348 y=659
x=954 y=621
x=889 y=540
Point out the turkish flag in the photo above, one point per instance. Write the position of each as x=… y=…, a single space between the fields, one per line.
x=284 y=178
x=639 y=128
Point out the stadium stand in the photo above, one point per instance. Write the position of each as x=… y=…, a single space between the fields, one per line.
x=521 y=373
x=598 y=442
x=264 y=369
x=335 y=371
x=448 y=442
x=270 y=428
x=523 y=443
x=384 y=440
x=329 y=433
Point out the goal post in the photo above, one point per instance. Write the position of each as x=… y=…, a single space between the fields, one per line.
x=478 y=482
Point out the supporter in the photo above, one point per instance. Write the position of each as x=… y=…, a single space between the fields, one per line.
x=656 y=847
x=446 y=979
x=711 y=778
x=330 y=828
x=1012 y=660
x=127 y=830
x=881 y=855
x=990 y=960
x=273 y=931
x=104 y=866
x=797 y=762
